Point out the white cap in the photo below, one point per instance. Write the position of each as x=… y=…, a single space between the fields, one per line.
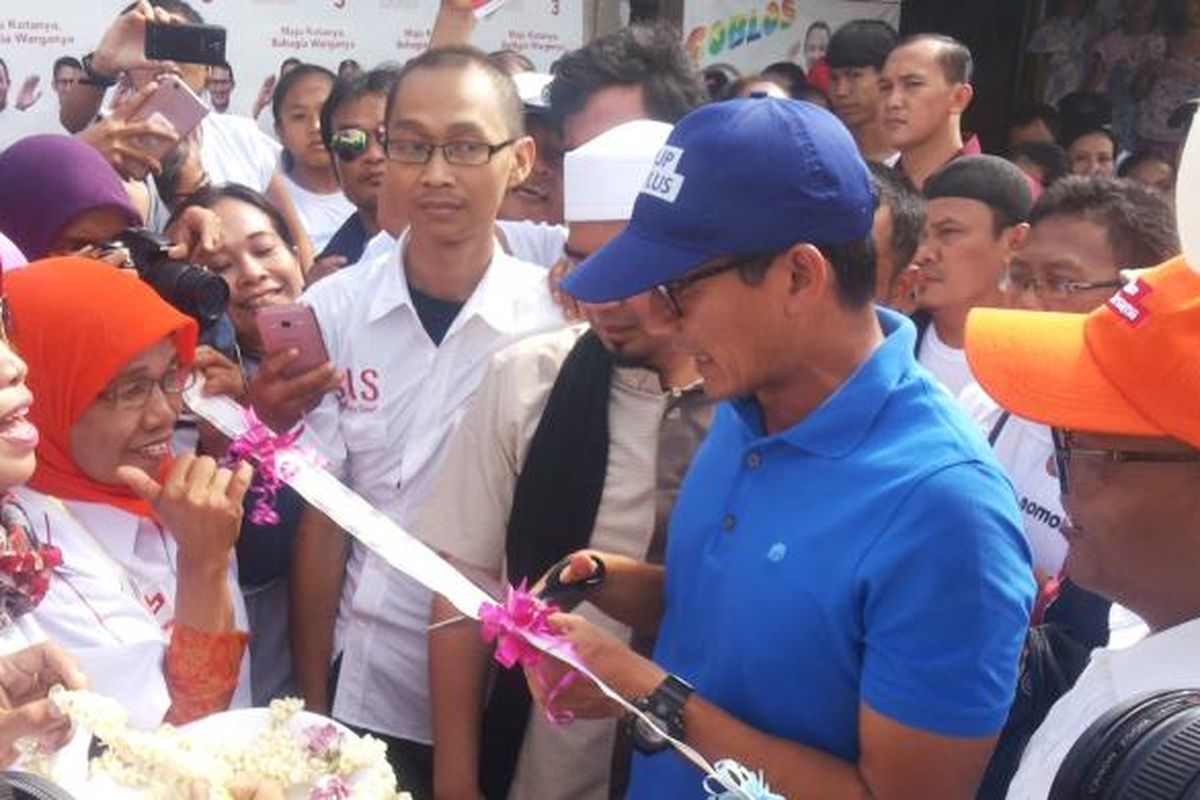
x=603 y=177
x=532 y=89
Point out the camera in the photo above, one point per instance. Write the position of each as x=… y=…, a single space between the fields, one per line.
x=1145 y=748
x=193 y=290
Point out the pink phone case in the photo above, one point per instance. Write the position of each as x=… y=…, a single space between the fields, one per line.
x=289 y=326
x=174 y=102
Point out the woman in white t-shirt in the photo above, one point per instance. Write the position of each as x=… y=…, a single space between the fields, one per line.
x=307 y=165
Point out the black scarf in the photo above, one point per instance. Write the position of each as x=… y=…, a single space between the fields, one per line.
x=553 y=512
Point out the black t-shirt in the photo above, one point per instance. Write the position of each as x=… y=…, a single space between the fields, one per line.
x=436 y=315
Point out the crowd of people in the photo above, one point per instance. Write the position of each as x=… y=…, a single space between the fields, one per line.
x=824 y=431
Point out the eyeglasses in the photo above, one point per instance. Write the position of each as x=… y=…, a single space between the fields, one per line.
x=463 y=153
x=669 y=291
x=1061 y=288
x=1065 y=452
x=134 y=395
x=350 y=143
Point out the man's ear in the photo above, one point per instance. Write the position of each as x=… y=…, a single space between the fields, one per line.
x=524 y=154
x=809 y=275
x=1016 y=236
x=963 y=94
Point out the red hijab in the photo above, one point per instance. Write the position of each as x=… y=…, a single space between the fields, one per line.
x=77 y=323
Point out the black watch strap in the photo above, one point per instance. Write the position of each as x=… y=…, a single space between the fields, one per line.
x=93 y=77
x=665 y=706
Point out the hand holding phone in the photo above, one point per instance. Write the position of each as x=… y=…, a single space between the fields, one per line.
x=292 y=326
x=172 y=104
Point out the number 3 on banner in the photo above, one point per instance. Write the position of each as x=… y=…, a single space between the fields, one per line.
x=555 y=7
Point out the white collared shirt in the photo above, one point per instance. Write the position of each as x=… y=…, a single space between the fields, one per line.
x=1164 y=660
x=385 y=434
x=90 y=609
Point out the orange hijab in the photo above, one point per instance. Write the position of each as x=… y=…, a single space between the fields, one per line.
x=77 y=323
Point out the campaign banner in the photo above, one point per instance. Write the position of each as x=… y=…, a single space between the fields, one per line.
x=751 y=34
x=261 y=34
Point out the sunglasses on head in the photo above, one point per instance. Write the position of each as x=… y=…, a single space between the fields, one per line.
x=350 y=143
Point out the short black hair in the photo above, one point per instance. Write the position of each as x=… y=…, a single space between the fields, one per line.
x=853 y=268
x=1052 y=159
x=464 y=58
x=861 y=43
x=209 y=196
x=512 y=62
x=907 y=208
x=1072 y=135
x=65 y=61
x=649 y=56
x=346 y=90
x=953 y=56
x=1140 y=221
x=1028 y=113
x=225 y=65
x=990 y=180
x=790 y=77
x=180 y=7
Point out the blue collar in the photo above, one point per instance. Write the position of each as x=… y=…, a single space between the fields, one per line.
x=838 y=425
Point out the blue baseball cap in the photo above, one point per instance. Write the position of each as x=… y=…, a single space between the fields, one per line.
x=742 y=177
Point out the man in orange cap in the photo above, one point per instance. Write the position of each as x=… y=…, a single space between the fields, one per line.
x=1120 y=387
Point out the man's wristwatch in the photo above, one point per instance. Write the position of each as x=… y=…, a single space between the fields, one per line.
x=665 y=707
x=93 y=77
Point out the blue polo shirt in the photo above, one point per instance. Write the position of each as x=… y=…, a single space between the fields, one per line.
x=872 y=553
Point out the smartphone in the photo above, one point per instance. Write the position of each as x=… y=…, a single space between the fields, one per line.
x=187 y=43
x=292 y=325
x=174 y=102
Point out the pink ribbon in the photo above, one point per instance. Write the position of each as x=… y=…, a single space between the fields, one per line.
x=525 y=614
x=262 y=447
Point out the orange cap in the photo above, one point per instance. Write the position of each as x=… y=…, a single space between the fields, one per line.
x=1130 y=367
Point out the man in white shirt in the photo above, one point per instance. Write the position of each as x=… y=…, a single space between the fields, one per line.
x=975 y=219
x=1115 y=387
x=412 y=331
x=575 y=439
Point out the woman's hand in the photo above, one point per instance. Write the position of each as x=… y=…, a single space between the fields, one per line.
x=200 y=503
x=26 y=678
x=281 y=401
x=129 y=145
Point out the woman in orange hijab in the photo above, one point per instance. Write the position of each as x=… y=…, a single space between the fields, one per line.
x=145 y=597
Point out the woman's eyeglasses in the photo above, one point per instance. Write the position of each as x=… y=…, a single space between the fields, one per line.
x=134 y=394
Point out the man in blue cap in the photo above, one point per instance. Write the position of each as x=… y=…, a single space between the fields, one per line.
x=847 y=587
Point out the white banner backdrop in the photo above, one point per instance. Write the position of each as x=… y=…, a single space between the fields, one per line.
x=261 y=33
x=750 y=34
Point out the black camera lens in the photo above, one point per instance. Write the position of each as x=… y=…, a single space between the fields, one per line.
x=1147 y=748
x=193 y=290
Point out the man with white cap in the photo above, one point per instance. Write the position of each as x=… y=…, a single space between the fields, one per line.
x=577 y=438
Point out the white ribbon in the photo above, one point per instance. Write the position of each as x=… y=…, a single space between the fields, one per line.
x=404 y=552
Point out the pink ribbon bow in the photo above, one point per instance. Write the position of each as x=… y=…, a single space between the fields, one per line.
x=524 y=614
x=262 y=447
